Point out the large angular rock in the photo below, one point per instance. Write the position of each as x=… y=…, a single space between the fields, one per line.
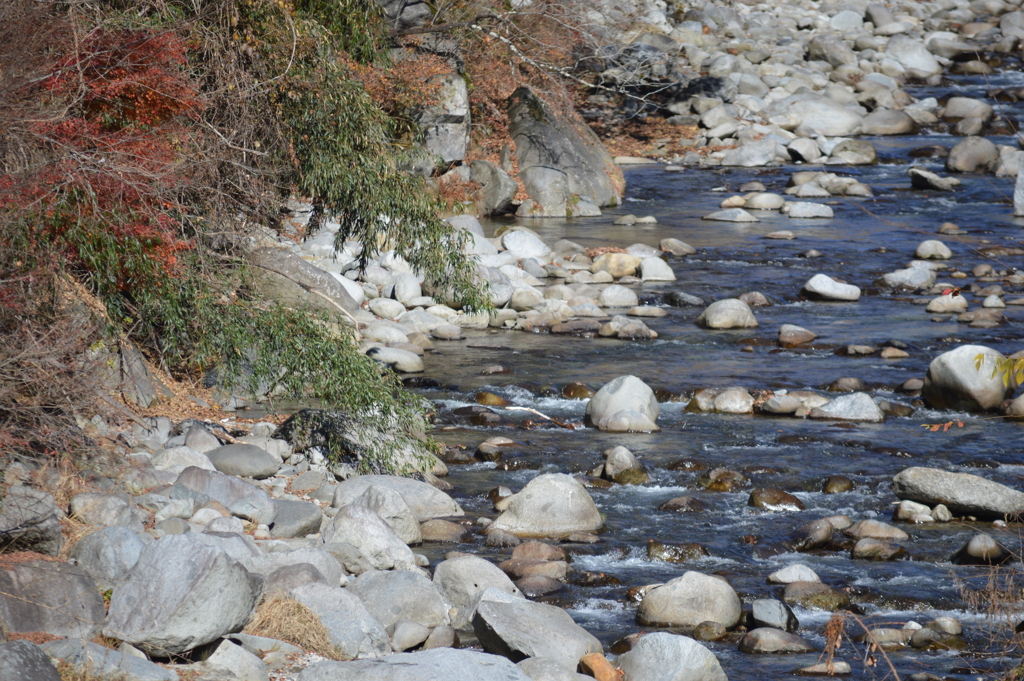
x=53 y=598
x=181 y=594
x=268 y=563
x=962 y=493
x=954 y=381
x=690 y=600
x=391 y=507
x=550 y=505
x=438 y=664
x=497 y=188
x=426 y=501
x=661 y=656
x=568 y=145
x=30 y=521
x=284 y=277
x=548 y=188
x=239 y=497
x=518 y=629
x=461 y=580
x=108 y=554
x=361 y=527
x=625 y=393
x=101 y=662
x=353 y=631
x=445 y=121
x=104 y=510
x=25 y=661
x=245 y=461
x=296 y=519
x=401 y=595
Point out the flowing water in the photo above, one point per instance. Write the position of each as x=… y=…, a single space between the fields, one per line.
x=867 y=237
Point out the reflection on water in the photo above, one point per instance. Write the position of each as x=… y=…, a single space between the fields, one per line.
x=867 y=238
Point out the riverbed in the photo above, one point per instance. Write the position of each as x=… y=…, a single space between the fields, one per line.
x=867 y=238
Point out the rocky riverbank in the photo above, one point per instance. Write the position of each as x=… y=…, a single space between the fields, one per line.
x=167 y=559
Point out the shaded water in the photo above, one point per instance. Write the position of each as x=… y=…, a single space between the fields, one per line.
x=867 y=237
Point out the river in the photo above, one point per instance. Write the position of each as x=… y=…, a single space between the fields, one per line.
x=867 y=237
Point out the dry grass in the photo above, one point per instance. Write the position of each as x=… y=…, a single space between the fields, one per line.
x=288 y=620
x=70 y=672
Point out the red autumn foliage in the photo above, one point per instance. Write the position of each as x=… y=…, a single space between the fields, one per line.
x=112 y=164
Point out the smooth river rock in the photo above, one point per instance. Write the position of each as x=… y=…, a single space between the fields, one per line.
x=955 y=382
x=550 y=505
x=730 y=313
x=626 y=395
x=690 y=600
x=661 y=656
x=961 y=493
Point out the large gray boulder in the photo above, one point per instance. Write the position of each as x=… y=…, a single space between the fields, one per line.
x=181 y=594
x=662 y=656
x=519 y=628
x=363 y=528
x=426 y=501
x=245 y=461
x=730 y=313
x=392 y=508
x=30 y=521
x=623 y=394
x=96 y=661
x=401 y=595
x=962 y=493
x=108 y=554
x=284 y=277
x=550 y=505
x=542 y=139
x=49 y=597
x=239 y=497
x=267 y=563
x=497 y=188
x=548 y=188
x=353 y=631
x=104 y=510
x=445 y=121
x=461 y=580
x=296 y=519
x=954 y=381
x=438 y=664
x=689 y=600
x=25 y=661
